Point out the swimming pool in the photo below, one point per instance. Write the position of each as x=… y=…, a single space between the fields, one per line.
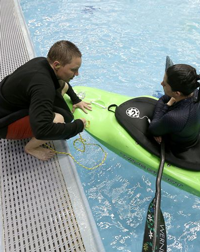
x=124 y=45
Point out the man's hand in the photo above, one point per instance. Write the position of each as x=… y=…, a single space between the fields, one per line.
x=82 y=105
x=84 y=122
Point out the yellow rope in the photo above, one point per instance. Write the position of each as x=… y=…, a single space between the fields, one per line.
x=83 y=141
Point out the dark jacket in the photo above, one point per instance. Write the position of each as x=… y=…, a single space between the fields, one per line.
x=33 y=90
x=179 y=123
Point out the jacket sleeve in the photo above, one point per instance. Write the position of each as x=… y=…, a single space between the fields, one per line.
x=162 y=122
x=75 y=99
x=41 y=114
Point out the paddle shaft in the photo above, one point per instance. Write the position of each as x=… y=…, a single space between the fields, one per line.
x=155 y=231
x=158 y=197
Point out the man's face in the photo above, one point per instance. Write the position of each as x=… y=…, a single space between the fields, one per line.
x=69 y=71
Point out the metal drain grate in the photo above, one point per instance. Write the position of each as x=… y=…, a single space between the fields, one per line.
x=37 y=210
x=36 y=207
x=13 y=49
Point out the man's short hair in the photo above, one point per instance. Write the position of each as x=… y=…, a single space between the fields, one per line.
x=63 y=51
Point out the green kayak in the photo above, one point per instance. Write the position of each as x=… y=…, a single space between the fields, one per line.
x=122 y=128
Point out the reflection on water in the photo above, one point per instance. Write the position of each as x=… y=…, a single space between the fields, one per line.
x=119 y=195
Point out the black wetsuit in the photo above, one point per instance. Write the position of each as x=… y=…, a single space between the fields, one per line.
x=179 y=124
x=33 y=90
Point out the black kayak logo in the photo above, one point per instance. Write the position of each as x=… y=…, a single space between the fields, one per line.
x=133 y=112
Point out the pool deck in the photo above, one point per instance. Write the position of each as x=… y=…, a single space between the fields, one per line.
x=42 y=205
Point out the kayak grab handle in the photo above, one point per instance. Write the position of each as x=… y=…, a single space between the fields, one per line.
x=110 y=106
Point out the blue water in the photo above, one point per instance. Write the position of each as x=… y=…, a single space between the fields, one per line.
x=124 y=45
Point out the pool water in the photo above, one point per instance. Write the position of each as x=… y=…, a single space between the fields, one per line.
x=124 y=45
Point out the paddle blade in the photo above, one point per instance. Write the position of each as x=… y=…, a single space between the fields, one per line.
x=168 y=63
x=149 y=228
x=162 y=234
x=149 y=231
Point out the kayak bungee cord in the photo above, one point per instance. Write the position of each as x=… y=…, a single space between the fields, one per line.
x=96 y=103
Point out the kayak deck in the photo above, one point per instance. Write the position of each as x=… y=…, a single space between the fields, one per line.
x=105 y=128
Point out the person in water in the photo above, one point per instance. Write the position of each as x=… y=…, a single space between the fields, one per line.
x=32 y=104
x=177 y=113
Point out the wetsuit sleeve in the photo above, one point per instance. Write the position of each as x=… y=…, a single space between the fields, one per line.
x=75 y=99
x=162 y=122
x=41 y=114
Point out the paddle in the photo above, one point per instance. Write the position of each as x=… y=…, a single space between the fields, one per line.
x=155 y=239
